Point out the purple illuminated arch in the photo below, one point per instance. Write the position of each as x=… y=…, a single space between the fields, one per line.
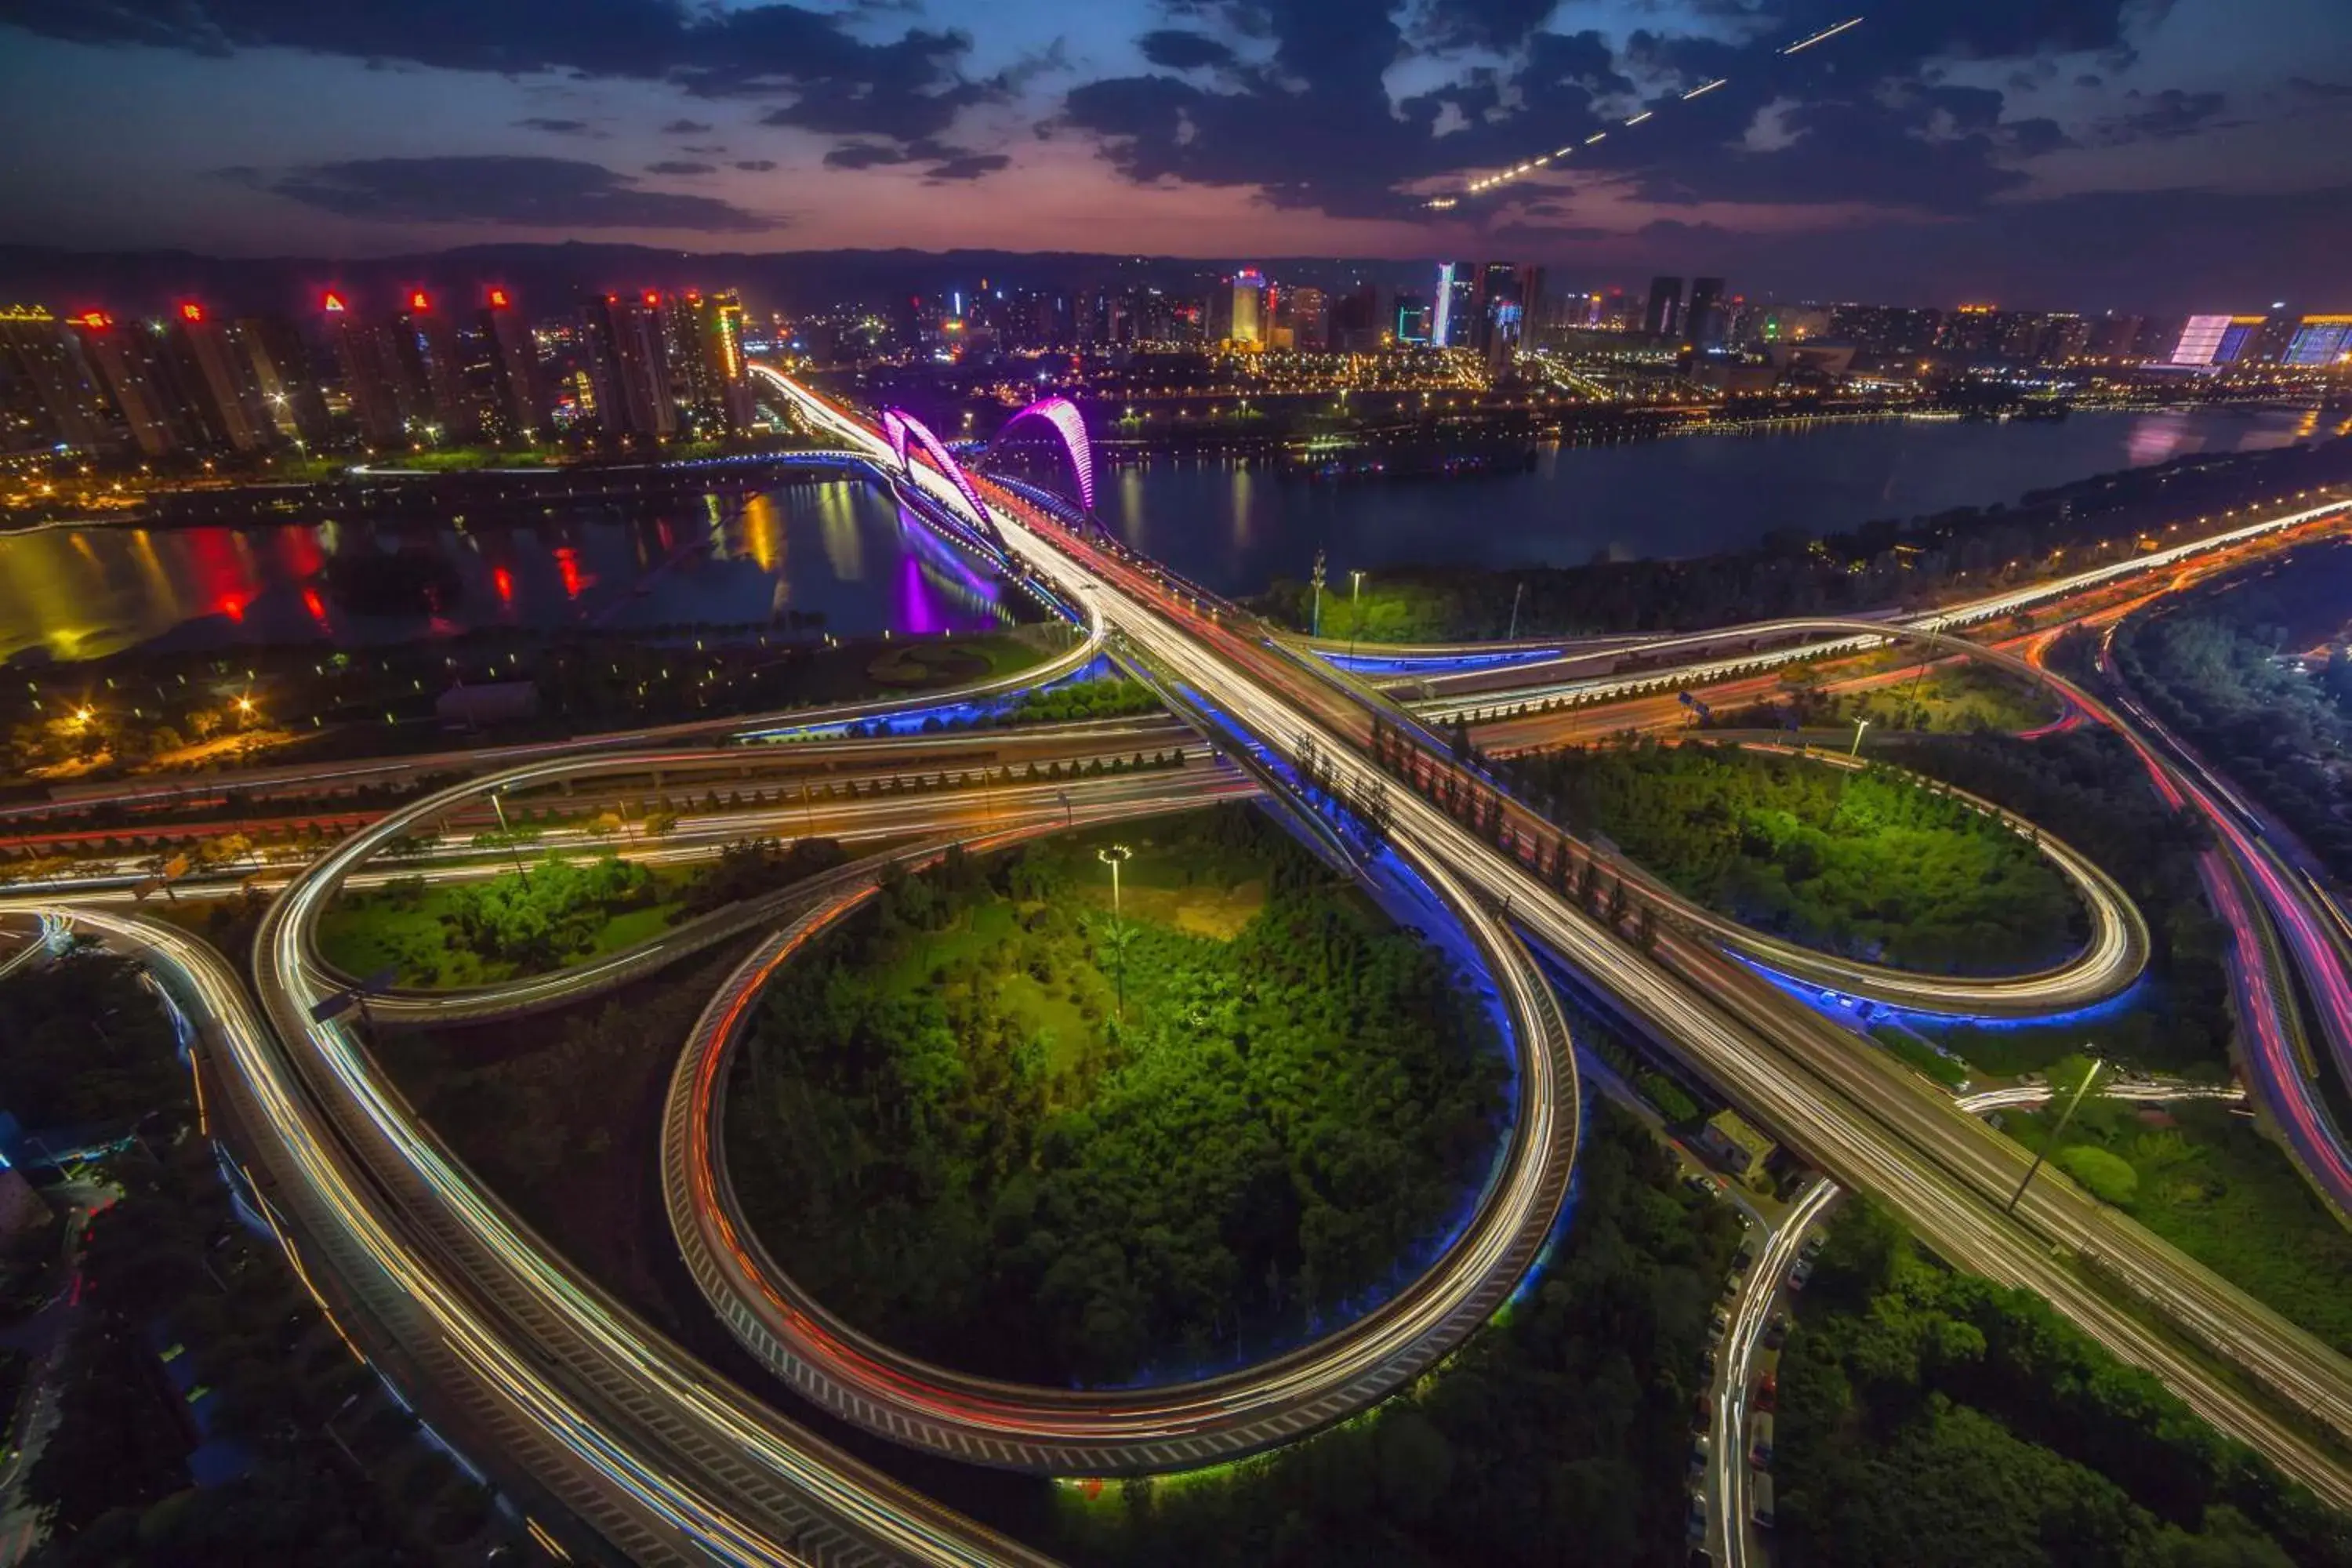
x=1071 y=427
x=920 y=434
x=895 y=428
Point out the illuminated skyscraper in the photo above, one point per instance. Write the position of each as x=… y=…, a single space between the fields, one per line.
x=1309 y=310
x=1665 y=316
x=519 y=391
x=49 y=392
x=1249 y=307
x=2320 y=342
x=125 y=359
x=629 y=363
x=216 y=386
x=286 y=376
x=429 y=345
x=703 y=339
x=372 y=373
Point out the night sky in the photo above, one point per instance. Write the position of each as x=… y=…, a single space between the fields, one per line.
x=2078 y=153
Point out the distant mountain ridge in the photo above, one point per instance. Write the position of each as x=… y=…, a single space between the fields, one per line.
x=548 y=277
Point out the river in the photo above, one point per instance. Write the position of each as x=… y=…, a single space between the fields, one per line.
x=837 y=557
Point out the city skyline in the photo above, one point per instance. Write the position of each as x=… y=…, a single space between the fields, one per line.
x=2016 y=151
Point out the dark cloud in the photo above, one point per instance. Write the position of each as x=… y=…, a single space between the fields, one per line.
x=2166 y=115
x=971 y=166
x=756 y=165
x=556 y=127
x=511 y=191
x=1482 y=23
x=1869 y=117
x=708 y=150
x=1173 y=49
x=686 y=128
x=680 y=166
x=831 y=79
x=947 y=161
x=2313 y=88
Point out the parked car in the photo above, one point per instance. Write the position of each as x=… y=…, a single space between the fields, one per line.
x=1767 y=1391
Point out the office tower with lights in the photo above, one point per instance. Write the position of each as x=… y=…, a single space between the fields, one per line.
x=1249 y=324
x=50 y=395
x=2318 y=342
x=1412 y=319
x=1663 y=318
x=1452 y=315
x=1309 y=309
x=703 y=339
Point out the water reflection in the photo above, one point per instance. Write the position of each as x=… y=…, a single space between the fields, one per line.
x=801 y=558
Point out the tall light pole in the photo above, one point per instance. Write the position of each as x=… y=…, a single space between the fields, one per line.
x=1859 y=726
x=1115 y=855
x=512 y=847
x=2051 y=1141
x=1315 y=626
x=1354 y=597
x=1517 y=594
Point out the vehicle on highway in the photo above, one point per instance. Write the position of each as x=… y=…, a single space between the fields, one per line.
x=1760 y=1499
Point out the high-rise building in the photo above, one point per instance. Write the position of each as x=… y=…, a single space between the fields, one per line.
x=288 y=379
x=2272 y=339
x=1309 y=310
x=1497 y=296
x=1453 y=317
x=1703 y=324
x=2199 y=343
x=1249 y=307
x=1411 y=319
x=2236 y=340
x=215 y=381
x=49 y=396
x=1665 y=316
x=629 y=365
x=429 y=343
x=125 y=361
x=373 y=371
x=2112 y=336
x=518 y=390
x=2320 y=342
x=709 y=341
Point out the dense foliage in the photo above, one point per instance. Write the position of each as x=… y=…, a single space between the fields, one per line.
x=86 y=1042
x=2087 y=787
x=1931 y=1418
x=1864 y=863
x=1113 y=698
x=2212 y=668
x=537 y=920
x=1558 y=1435
x=2199 y=1174
x=947 y=1132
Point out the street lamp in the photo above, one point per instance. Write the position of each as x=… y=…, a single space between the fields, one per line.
x=1115 y=855
x=512 y=847
x=1354 y=597
x=1859 y=726
x=2050 y=1141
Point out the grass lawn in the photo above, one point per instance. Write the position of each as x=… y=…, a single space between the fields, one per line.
x=2139 y=1036
x=363 y=933
x=1959 y=698
x=920 y=666
x=2217 y=1189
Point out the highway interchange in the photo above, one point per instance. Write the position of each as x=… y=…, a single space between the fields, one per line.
x=631 y=1446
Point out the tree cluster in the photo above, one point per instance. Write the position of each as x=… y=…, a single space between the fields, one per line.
x=1559 y=1434
x=539 y=922
x=1867 y=864
x=86 y=1042
x=2212 y=668
x=961 y=1142
x=1930 y=1417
